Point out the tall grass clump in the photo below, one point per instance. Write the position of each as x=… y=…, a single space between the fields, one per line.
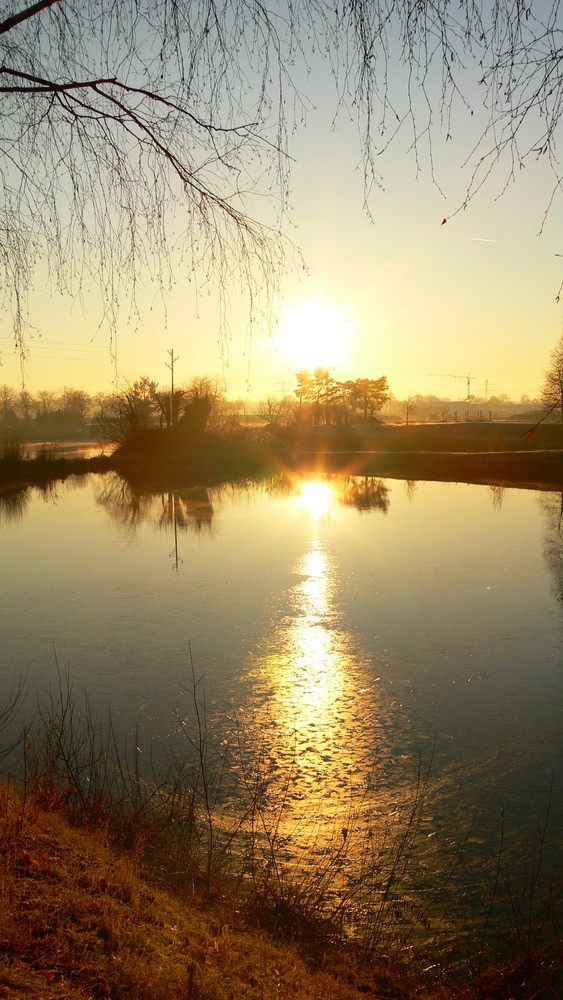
x=525 y=958
x=71 y=762
x=12 y=452
x=10 y=738
x=45 y=454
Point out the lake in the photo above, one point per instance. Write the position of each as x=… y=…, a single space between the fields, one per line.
x=348 y=634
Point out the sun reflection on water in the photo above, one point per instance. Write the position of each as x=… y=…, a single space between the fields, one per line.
x=318 y=727
x=308 y=697
x=315 y=497
x=314 y=649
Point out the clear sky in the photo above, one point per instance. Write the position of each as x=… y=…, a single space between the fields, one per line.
x=425 y=304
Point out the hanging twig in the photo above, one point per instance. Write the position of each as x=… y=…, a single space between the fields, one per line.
x=532 y=429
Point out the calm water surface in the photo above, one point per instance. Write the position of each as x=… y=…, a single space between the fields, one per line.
x=345 y=631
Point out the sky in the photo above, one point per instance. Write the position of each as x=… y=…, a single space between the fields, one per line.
x=426 y=304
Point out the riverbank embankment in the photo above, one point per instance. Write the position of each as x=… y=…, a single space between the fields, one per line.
x=81 y=917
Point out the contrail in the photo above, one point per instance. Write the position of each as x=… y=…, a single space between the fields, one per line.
x=480 y=239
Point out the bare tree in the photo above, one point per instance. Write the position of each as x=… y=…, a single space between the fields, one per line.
x=75 y=403
x=7 y=403
x=139 y=136
x=44 y=403
x=25 y=401
x=101 y=400
x=202 y=387
x=409 y=409
x=125 y=147
x=233 y=410
x=275 y=409
x=552 y=392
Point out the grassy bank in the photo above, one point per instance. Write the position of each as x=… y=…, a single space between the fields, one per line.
x=116 y=881
x=81 y=917
x=535 y=470
x=501 y=454
x=471 y=436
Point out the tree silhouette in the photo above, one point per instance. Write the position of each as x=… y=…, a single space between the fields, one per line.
x=328 y=397
x=274 y=410
x=129 y=411
x=552 y=391
x=304 y=386
x=7 y=403
x=137 y=137
x=369 y=394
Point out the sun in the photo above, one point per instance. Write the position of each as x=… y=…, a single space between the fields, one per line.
x=313 y=334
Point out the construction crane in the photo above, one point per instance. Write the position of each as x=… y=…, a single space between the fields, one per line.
x=443 y=375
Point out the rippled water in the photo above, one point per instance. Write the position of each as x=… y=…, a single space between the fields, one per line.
x=347 y=635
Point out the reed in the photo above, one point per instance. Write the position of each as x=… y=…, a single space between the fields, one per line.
x=12 y=452
x=46 y=454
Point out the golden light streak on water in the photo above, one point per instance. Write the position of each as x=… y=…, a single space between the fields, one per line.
x=307 y=722
x=315 y=677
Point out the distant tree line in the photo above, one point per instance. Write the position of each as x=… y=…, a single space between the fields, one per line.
x=318 y=399
x=69 y=408
x=140 y=404
x=322 y=399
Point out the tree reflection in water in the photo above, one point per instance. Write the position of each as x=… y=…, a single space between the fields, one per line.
x=317 y=494
x=14 y=503
x=552 y=505
x=366 y=493
x=497 y=496
x=189 y=509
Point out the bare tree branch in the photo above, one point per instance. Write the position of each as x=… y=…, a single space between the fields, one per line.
x=151 y=138
x=36 y=8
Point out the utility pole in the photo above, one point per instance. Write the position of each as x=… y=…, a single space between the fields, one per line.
x=171 y=367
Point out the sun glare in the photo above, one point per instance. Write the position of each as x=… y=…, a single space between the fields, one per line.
x=313 y=335
x=315 y=498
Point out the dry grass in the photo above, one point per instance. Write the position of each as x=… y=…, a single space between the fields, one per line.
x=118 y=884
x=79 y=918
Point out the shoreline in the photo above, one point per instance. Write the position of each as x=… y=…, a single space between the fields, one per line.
x=539 y=470
x=489 y=454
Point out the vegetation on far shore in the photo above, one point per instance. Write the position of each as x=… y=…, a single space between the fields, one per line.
x=194 y=432
x=497 y=454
